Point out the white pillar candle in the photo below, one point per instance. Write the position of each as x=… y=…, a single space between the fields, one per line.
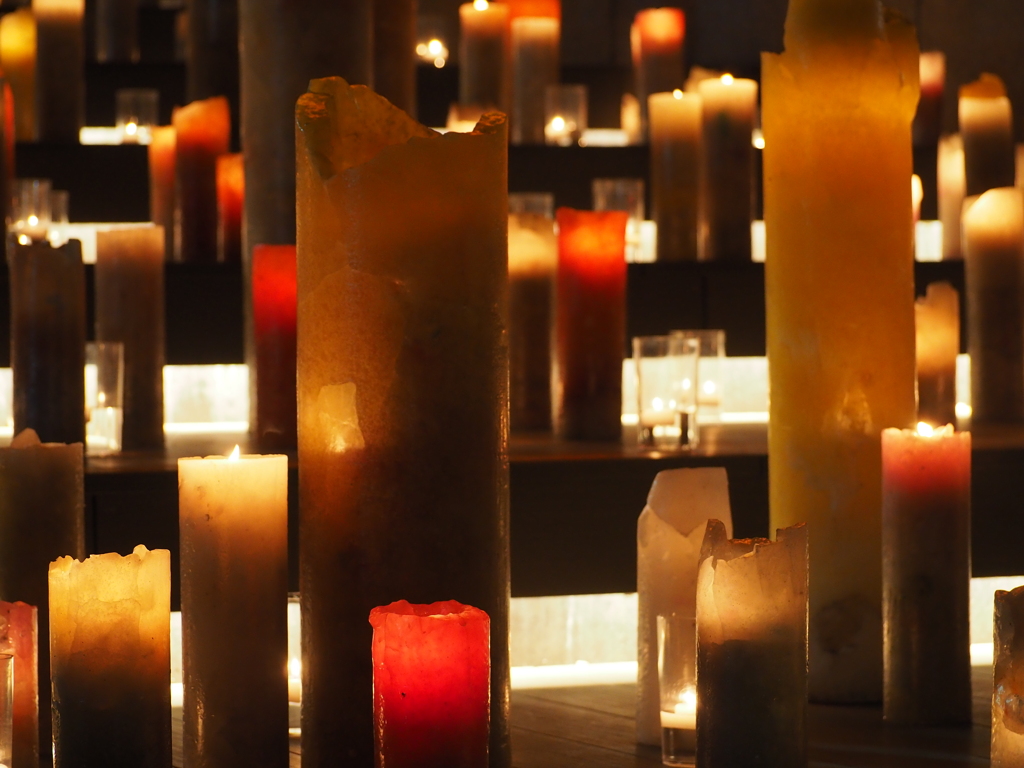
x=986 y=125
x=60 y=69
x=675 y=131
x=952 y=184
x=483 y=54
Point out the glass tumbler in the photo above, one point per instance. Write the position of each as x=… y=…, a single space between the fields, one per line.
x=104 y=397
x=666 y=386
x=677 y=688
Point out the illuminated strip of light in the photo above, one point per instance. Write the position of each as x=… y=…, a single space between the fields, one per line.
x=206 y=427
x=574 y=675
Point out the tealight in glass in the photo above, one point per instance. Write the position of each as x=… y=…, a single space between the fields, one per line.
x=138 y=110
x=565 y=114
x=677 y=686
x=666 y=386
x=104 y=397
x=30 y=210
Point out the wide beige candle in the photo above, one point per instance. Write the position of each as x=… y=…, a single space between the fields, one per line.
x=60 y=69
x=952 y=187
x=483 y=54
x=535 y=58
x=233 y=518
x=986 y=125
x=675 y=131
x=110 y=647
x=18 y=62
x=938 y=342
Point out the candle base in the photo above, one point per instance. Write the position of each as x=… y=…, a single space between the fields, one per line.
x=678 y=746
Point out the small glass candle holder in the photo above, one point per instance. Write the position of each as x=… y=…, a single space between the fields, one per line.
x=565 y=114
x=138 y=110
x=677 y=687
x=30 y=210
x=58 y=235
x=536 y=203
x=6 y=708
x=709 y=373
x=623 y=195
x=666 y=385
x=104 y=397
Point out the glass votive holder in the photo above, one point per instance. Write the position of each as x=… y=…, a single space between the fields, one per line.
x=623 y=195
x=537 y=203
x=709 y=373
x=677 y=688
x=666 y=386
x=565 y=114
x=30 y=210
x=104 y=393
x=137 y=111
x=58 y=217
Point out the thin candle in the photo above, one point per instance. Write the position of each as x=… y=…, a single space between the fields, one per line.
x=937 y=321
x=483 y=54
x=675 y=132
x=656 y=43
x=162 y=161
x=986 y=125
x=230 y=202
x=203 y=131
x=60 y=69
x=273 y=310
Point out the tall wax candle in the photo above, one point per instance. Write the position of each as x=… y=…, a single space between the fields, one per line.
x=837 y=107
x=952 y=187
x=402 y=392
x=203 y=130
x=230 y=202
x=675 y=133
x=1007 y=743
x=394 y=52
x=535 y=57
x=431 y=685
x=928 y=120
x=60 y=69
x=728 y=108
x=19 y=636
x=162 y=162
x=273 y=309
x=993 y=231
x=212 y=53
x=926 y=574
x=233 y=517
x=110 y=649
x=986 y=125
x=18 y=62
x=656 y=42
x=483 y=54
x=937 y=322
x=590 y=324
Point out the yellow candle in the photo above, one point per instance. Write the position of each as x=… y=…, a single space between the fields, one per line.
x=837 y=107
x=18 y=62
x=60 y=69
x=952 y=185
x=986 y=125
x=483 y=54
x=675 y=130
x=938 y=342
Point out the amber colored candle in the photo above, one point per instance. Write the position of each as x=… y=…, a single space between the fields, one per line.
x=938 y=343
x=928 y=120
x=60 y=69
x=837 y=107
x=203 y=133
x=535 y=58
x=110 y=651
x=230 y=201
x=986 y=125
x=656 y=42
x=431 y=685
x=549 y=9
x=18 y=62
x=162 y=162
x=483 y=54
x=19 y=636
x=952 y=187
x=590 y=324
x=274 y=310
x=675 y=133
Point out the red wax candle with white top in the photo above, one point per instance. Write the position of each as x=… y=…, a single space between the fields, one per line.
x=274 y=310
x=431 y=685
x=19 y=637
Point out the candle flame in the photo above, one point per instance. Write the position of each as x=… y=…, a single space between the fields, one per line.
x=234 y=454
x=434 y=47
x=480 y=5
x=558 y=123
x=131 y=129
x=677 y=93
x=924 y=429
x=727 y=79
x=687 y=701
x=24 y=240
x=33 y=220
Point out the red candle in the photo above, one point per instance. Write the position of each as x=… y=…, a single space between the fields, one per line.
x=230 y=200
x=274 y=310
x=431 y=685
x=590 y=324
x=18 y=636
x=551 y=9
x=656 y=42
x=161 y=183
x=204 y=132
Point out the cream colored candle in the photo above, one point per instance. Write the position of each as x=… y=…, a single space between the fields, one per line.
x=233 y=518
x=535 y=58
x=952 y=186
x=18 y=62
x=483 y=54
x=986 y=125
x=110 y=648
x=938 y=342
x=675 y=132
x=60 y=69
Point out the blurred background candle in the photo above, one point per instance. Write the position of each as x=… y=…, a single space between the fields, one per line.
x=926 y=540
x=162 y=162
x=230 y=201
x=675 y=130
x=952 y=185
x=656 y=42
x=986 y=125
x=565 y=114
x=590 y=324
x=19 y=636
x=937 y=320
x=110 y=649
x=483 y=54
x=60 y=69
x=431 y=685
x=203 y=130
x=274 y=308
x=928 y=120
x=535 y=60
x=18 y=63
x=550 y=9
x=233 y=514
x=117 y=30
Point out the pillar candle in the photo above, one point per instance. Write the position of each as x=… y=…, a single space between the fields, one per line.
x=162 y=161
x=402 y=392
x=532 y=262
x=394 y=52
x=42 y=517
x=986 y=125
x=535 y=57
x=483 y=54
x=117 y=30
x=993 y=231
x=60 y=69
x=129 y=281
x=952 y=185
x=675 y=133
x=230 y=202
x=18 y=62
x=752 y=649
x=273 y=300
x=431 y=685
x=233 y=517
x=48 y=339
x=928 y=120
x=110 y=649
x=203 y=130
x=728 y=108
x=549 y=9
x=926 y=575
x=937 y=321
x=656 y=43
x=668 y=541
x=1007 y=745
x=590 y=324
x=839 y=277
x=19 y=636
x=212 y=51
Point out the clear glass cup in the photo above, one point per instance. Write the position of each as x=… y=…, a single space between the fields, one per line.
x=677 y=688
x=666 y=387
x=30 y=210
x=565 y=114
x=709 y=373
x=539 y=203
x=623 y=195
x=137 y=111
x=59 y=200
x=104 y=397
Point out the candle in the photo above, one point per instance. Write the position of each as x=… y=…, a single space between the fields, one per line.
x=7 y=140
x=656 y=44
x=483 y=53
x=675 y=132
x=916 y=197
x=669 y=533
x=230 y=201
x=394 y=52
x=993 y=231
x=19 y=636
x=938 y=342
x=590 y=324
x=1007 y=740
x=683 y=717
x=928 y=120
x=60 y=69
x=752 y=649
x=986 y=125
x=550 y=9
x=162 y=162
x=130 y=309
x=273 y=309
x=110 y=647
x=431 y=685
x=203 y=130
x=839 y=278
x=233 y=516
x=952 y=185
x=926 y=574
x=401 y=395
x=117 y=30
x=48 y=339
x=535 y=58
x=42 y=516
x=728 y=106
x=18 y=63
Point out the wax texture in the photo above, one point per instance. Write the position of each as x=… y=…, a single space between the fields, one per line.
x=19 y=636
x=431 y=685
x=937 y=324
x=402 y=393
x=551 y=9
x=18 y=63
x=203 y=130
x=1007 y=746
x=230 y=202
x=274 y=309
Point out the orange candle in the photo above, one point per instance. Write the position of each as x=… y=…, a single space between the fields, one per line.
x=230 y=200
x=656 y=40
x=547 y=9
x=19 y=636
x=203 y=133
x=162 y=160
x=274 y=310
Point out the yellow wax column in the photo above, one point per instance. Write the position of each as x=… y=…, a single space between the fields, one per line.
x=18 y=62
x=837 y=111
